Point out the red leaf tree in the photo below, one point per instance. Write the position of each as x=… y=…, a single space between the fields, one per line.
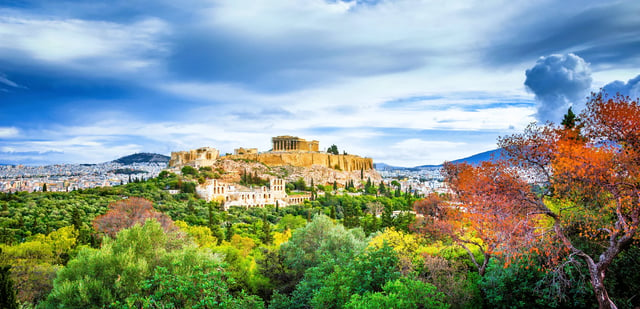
x=562 y=185
x=475 y=217
x=128 y=212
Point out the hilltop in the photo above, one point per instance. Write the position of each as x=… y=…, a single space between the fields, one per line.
x=143 y=157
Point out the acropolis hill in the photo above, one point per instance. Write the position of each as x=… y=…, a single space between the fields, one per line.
x=287 y=150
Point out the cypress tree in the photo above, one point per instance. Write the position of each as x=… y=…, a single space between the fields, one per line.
x=229 y=232
x=76 y=219
x=267 y=238
x=7 y=292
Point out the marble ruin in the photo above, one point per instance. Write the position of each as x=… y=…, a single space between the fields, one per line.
x=243 y=151
x=287 y=150
x=293 y=144
x=205 y=156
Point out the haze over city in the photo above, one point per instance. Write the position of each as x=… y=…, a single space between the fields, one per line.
x=403 y=82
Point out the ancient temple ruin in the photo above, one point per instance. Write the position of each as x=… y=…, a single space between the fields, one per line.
x=293 y=143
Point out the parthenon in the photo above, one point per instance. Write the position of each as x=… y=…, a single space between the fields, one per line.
x=294 y=143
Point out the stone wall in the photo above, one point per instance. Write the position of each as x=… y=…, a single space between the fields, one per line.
x=241 y=151
x=205 y=156
x=341 y=162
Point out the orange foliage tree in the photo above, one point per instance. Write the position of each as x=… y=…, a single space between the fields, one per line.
x=562 y=186
x=475 y=217
x=126 y=213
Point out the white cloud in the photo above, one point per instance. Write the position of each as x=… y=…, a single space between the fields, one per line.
x=84 y=44
x=7 y=132
x=8 y=82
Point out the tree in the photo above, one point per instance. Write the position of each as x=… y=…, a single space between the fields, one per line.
x=189 y=170
x=333 y=150
x=569 y=120
x=476 y=218
x=382 y=188
x=572 y=186
x=7 y=292
x=97 y=278
x=128 y=212
x=400 y=293
x=267 y=236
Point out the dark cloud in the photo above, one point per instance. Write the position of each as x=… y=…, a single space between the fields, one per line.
x=280 y=64
x=630 y=88
x=558 y=81
x=603 y=32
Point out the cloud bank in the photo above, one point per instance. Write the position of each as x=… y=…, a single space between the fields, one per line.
x=631 y=88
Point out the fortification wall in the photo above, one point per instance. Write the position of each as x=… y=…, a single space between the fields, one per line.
x=205 y=156
x=342 y=162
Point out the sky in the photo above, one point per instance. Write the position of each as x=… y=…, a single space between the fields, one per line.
x=405 y=82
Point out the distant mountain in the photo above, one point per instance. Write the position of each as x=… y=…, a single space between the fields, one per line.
x=474 y=159
x=483 y=156
x=384 y=166
x=143 y=158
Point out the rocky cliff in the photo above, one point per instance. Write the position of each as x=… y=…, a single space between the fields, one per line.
x=317 y=174
x=345 y=163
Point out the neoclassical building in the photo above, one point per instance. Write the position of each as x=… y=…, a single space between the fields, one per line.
x=232 y=195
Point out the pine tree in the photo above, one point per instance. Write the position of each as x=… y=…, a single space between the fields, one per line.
x=44 y=187
x=569 y=120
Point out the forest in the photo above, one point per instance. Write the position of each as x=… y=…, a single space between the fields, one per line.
x=551 y=225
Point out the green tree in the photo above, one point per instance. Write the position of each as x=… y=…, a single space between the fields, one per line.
x=569 y=120
x=7 y=293
x=403 y=293
x=333 y=150
x=267 y=236
x=99 y=277
x=367 y=272
x=189 y=170
x=202 y=286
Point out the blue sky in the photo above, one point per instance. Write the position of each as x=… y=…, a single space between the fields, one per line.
x=405 y=82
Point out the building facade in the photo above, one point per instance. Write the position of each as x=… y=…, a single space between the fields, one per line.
x=231 y=195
